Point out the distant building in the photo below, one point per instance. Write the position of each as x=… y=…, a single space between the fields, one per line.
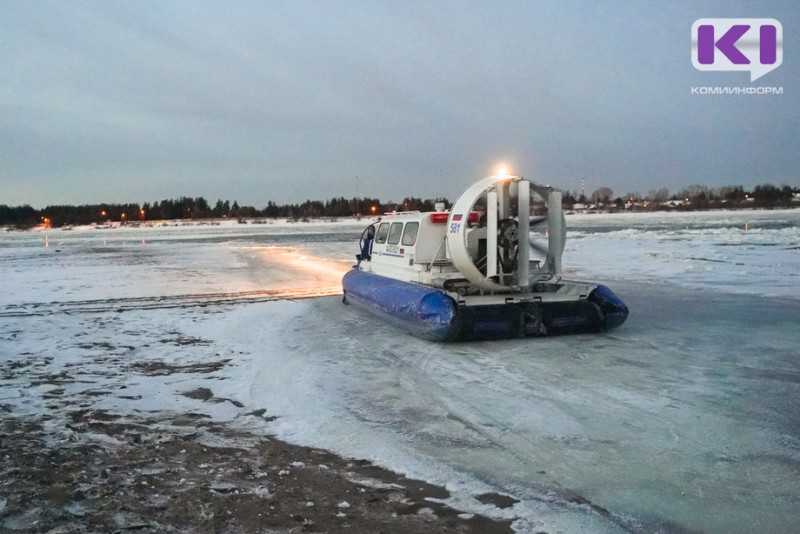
x=583 y=208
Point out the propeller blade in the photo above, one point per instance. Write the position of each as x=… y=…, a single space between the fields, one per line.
x=523 y=254
x=491 y=232
x=535 y=221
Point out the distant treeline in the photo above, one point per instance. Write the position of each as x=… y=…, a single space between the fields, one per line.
x=695 y=197
x=199 y=208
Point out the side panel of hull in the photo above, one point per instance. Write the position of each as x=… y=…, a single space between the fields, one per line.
x=422 y=311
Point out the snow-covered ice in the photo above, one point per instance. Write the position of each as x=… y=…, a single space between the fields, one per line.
x=750 y=252
x=684 y=419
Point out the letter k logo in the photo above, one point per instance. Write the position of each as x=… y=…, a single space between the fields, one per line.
x=726 y=44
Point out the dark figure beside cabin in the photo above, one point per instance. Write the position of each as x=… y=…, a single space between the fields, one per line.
x=366 y=245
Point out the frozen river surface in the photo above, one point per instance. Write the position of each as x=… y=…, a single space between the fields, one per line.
x=685 y=419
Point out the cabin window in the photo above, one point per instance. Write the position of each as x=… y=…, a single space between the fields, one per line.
x=383 y=231
x=410 y=234
x=395 y=232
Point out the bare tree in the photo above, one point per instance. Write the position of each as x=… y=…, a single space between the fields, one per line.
x=662 y=195
x=602 y=196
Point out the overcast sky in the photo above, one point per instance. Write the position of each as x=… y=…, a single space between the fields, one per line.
x=253 y=101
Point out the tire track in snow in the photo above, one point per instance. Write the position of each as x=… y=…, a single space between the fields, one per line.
x=167 y=301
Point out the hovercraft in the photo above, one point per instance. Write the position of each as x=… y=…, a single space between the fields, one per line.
x=489 y=268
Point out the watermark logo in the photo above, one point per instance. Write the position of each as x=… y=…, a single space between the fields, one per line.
x=754 y=45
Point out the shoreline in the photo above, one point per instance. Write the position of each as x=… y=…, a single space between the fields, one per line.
x=178 y=472
x=283 y=222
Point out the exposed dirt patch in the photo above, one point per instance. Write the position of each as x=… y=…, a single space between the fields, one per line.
x=158 y=368
x=179 y=339
x=184 y=473
x=497 y=499
x=262 y=412
x=203 y=394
